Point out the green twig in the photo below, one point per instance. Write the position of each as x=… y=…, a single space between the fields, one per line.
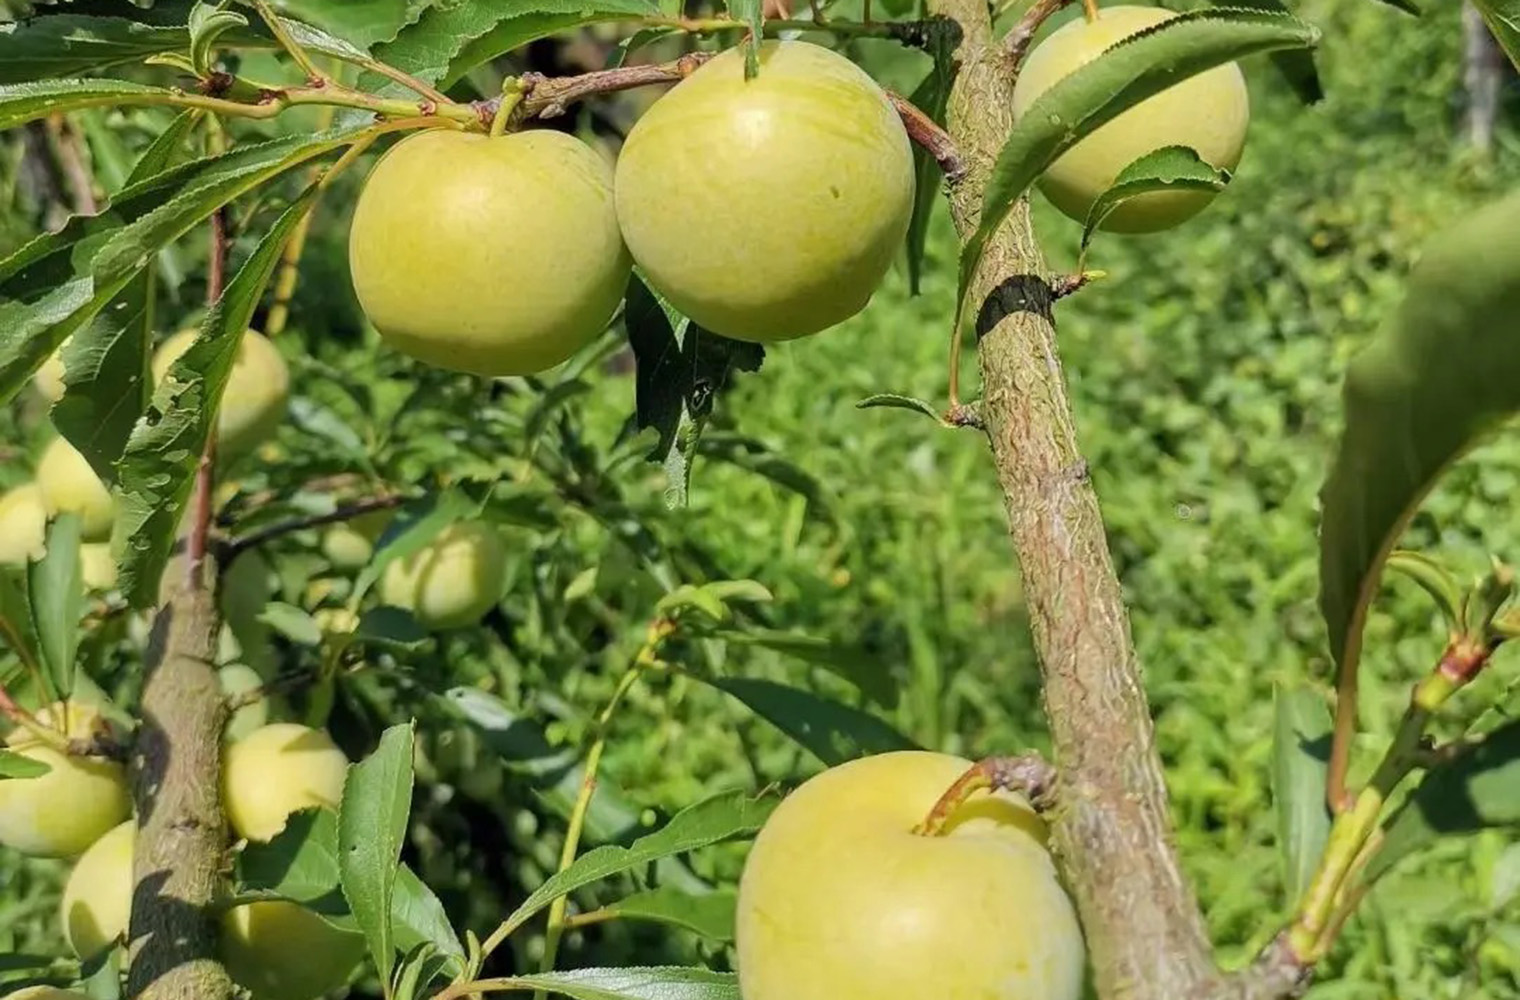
x=302 y=58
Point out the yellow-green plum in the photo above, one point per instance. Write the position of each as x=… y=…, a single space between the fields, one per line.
x=275 y=771
x=45 y=993
x=496 y=256
x=451 y=582
x=97 y=566
x=253 y=403
x=281 y=951
x=61 y=813
x=841 y=900
x=238 y=679
x=69 y=484
x=770 y=208
x=1208 y=112
x=23 y=524
x=97 y=900
x=350 y=544
x=48 y=379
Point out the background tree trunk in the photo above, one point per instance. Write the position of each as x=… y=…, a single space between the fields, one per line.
x=1483 y=75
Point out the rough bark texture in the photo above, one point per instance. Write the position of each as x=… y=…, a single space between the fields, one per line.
x=182 y=836
x=1112 y=829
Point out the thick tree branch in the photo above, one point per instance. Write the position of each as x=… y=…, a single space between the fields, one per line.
x=1112 y=829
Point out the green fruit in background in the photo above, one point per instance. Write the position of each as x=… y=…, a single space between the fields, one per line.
x=453 y=581
x=496 y=256
x=45 y=993
x=238 y=679
x=281 y=951
x=1208 y=112
x=771 y=208
x=69 y=484
x=350 y=544
x=97 y=900
x=23 y=524
x=275 y=771
x=841 y=900
x=63 y=812
x=253 y=404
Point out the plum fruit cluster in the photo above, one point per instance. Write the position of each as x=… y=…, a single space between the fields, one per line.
x=81 y=809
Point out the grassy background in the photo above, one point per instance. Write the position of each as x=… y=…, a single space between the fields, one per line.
x=1205 y=374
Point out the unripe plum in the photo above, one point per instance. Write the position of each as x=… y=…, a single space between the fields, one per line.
x=771 y=208
x=97 y=566
x=841 y=900
x=279 y=950
x=350 y=544
x=23 y=524
x=69 y=484
x=453 y=581
x=277 y=770
x=63 y=812
x=1208 y=112
x=238 y=679
x=253 y=404
x=97 y=900
x=48 y=379
x=496 y=256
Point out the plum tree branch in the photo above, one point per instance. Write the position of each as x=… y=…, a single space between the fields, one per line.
x=1112 y=829
x=1022 y=36
x=925 y=132
x=236 y=547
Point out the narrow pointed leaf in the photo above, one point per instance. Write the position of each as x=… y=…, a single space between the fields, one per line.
x=1171 y=168
x=17 y=633
x=377 y=801
x=933 y=98
x=1296 y=66
x=1300 y=762
x=722 y=817
x=1503 y=20
x=710 y=915
x=631 y=984
x=55 y=587
x=24 y=102
x=833 y=732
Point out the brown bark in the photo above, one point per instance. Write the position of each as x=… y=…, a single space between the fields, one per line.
x=182 y=835
x=1112 y=827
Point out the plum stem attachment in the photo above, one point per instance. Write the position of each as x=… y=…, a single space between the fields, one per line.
x=1090 y=10
x=26 y=720
x=513 y=90
x=1021 y=37
x=1031 y=775
x=927 y=133
x=550 y=96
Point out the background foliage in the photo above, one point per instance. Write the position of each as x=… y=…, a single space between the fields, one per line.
x=1205 y=371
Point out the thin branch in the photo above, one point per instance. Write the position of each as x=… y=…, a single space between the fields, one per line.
x=66 y=145
x=548 y=97
x=346 y=512
x=926 y=132
x=299 y=54
x=1022 y=36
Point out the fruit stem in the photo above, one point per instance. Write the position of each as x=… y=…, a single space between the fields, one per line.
x=1030 y=775
x=1090 y=10
x=513 y=90
x=25 y=720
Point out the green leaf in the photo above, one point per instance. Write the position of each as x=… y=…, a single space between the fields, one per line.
x=833 y=732
x=16 y=628
x=55 y=589
x=449 y=40
x=390 y=627
x=897 y=401
x=208 y=23
x=361 y=24
x=633 y=984
x=1442 y=373
x=1503 y=20
x=377 y=800
x=418 y=917
x=1171 y=168
x=1479 y=788
x=853 y=663
x=106 y=379
x=711 y=821
x=710 y=915
x=70 y=45
x=295 y=624
x=1300 y=762
x=681 y=370
x=1139 y=67
x=157 y=471
x=23 y=102
x=932 y=98
x=1297 y=67
x=751 y=13
x=14 y=765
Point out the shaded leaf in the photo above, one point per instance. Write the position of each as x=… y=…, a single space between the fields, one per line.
x=1503 y=20
x=1300 y=763
x=391 y=627
x=158 y=468
x=681 y=370
x=16 y=628
x=208 y=23
x=55 y=590
x=300 y=864
x=932 y=98
x=711 y=821
x=710 y=915
x=1297 y=67
x=1479 y=788
x=71 y=44
x=377 y=800
x=832 y=732
x=1171 y=168
x=1443 y=372
x=1131 y=71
